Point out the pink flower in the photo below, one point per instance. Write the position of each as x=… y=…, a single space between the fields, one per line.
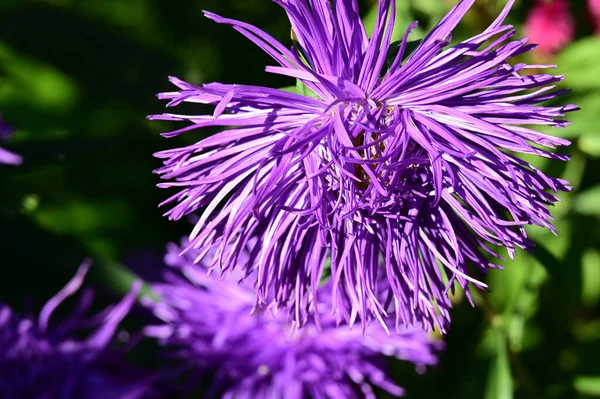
x=594 y=7
x=551 y=25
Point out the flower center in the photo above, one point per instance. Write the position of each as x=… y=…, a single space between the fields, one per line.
x=368 y=143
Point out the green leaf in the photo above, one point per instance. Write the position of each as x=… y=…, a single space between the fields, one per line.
x=525 y=303
x=590 y=143
x=326 y=272
x=552 y=264
x=411 y=46
x=500 y=382
x=30 y=203
x=303 y=90
x=119 y=277
x=590 y=290
x=588 y=202
x=587 y=385
x=584 y=122
x=579 y=63
x=289 y=89
x=36 y=83
x=403 y=19
x=432 y=8
x=566 y=276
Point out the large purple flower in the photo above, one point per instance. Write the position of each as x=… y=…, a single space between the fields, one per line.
x=45 y=360
x=410 y=162
x=7 y=157
x=208 y=323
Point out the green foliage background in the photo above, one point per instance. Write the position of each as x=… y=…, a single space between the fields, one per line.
x=77 y=78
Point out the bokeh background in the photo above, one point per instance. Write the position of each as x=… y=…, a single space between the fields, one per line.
x=78 y=77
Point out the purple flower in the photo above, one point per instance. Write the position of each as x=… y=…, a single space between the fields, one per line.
x=7 y=157
x=212 y=324
x=42 y=359
x=414 y=164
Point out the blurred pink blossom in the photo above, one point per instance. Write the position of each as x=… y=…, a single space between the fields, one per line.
x=594 y=7
x=551 y=25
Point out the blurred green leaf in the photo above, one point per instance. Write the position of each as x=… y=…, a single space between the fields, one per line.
x=587 y=332
x=303 y=89
x=590 y=144
x=506 y=284
x=565 y=273
x=584 y=122
x=30 y=203
x=590 y=291
x=84 y=215
x=550 y=262
x=411 y=46
x=500 y=382
x=525 y=303
x=587 y=385
x=432 y=8
x=403 y=19
x=588 y=202
x=579 y=62
x=35 y=83
x=119 y=278
x=574 y=171
x=289 y=89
